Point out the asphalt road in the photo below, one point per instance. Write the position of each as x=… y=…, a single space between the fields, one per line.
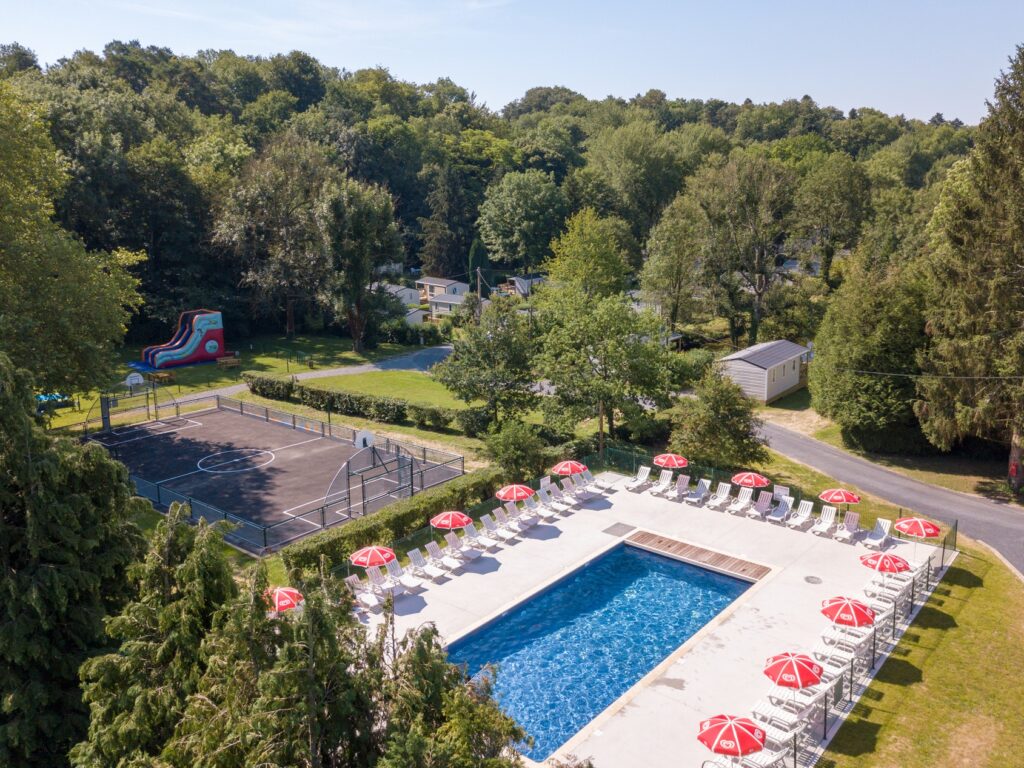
x=999 y=525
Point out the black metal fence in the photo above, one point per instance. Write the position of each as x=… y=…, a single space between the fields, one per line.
x=396 y=470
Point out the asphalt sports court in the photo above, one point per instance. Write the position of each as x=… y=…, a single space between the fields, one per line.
x=260 y=471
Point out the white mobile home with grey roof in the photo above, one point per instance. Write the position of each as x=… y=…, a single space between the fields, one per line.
x=767 y=371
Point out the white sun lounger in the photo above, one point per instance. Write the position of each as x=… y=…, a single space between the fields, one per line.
x=780 y=512
x=679 y=489
x=739 y=505
x=364 y=597
x=642 y=478
x=509 y=523
x=699 y=494
x=403 y=577
x=581 y=487
x=603 y=485
x=761 y=508
x=720 y=497
x=541 y=510
x=424 y=567
x=585 y=485
x=458 y=548
x=663 y=484
x=825 y=523
x=767 y=757
x=382 y=584
x=549 y=501
x=802 y=516
x=525 y=517
x=495 y=530
x=846 y=530
x=568 y=499
x=442 y=558
x=879 y=535
x=478 y=539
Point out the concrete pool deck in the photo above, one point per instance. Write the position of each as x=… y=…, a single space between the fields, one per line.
x=719 y=670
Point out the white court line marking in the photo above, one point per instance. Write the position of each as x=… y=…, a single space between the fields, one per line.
x=191 y=425
x=256 y=451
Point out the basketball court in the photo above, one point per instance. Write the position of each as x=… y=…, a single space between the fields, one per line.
x=277 y=479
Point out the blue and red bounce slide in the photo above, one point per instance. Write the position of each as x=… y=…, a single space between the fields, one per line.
x=198 y=339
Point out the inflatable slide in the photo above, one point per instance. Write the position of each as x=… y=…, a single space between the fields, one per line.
x=198 y=339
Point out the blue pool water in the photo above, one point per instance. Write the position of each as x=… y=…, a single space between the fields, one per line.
x=567 y=653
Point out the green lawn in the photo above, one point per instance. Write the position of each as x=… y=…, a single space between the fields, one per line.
x=270 y=354
x=945 y=696
x=416 y=387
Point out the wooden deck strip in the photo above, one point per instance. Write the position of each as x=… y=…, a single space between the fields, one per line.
x=691 y=553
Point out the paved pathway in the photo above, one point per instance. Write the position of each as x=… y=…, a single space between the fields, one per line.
x=999 y=525
x=420 y=360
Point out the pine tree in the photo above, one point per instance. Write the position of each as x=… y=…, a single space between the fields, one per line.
x=975 y=301
x=66 y=541
x=137 y=694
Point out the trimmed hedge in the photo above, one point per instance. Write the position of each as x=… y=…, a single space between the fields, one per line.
x=474 y=421
x=274 y=387
x=390 y=410
x=429 y=415
x=395 y=521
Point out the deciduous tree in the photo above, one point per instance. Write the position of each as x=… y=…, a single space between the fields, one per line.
x=492 y=361
x=589 y=255
x=357 y=224
x=718 y=426
x=671 y=273
x=519 y=217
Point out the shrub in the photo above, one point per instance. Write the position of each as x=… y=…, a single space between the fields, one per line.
x=440 y=418
x=387 y=409
x=419 y=415
x=645 y=429
x=518 y=450
x=274 y=387
x=394 y=521
x=552 y=435
x=474 y=421
x=687 y=368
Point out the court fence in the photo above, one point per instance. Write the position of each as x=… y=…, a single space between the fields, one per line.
x=383 y=471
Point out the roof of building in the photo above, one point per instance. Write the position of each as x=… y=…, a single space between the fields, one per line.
x=769 y=353
x=392 y=288
x=440 y=281
x=448 y=298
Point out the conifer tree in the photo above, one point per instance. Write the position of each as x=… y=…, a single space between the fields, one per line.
x=137 y=693
x=975 y=298
x=66 y=541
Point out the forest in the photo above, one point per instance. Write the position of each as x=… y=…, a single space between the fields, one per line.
x=213 y=178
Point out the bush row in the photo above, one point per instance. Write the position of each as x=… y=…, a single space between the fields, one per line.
x=395 y=521
x=273 y=387
x=390 y=410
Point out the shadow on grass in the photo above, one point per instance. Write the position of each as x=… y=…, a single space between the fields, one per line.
x=797 y=401
x=931 y=617
x=961 y=577
x=855 y=738
x=899 y=672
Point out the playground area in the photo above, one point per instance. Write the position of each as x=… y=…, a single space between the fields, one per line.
x=275 y=476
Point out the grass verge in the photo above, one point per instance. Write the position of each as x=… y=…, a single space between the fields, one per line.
x=956 y=471
x=950 y=694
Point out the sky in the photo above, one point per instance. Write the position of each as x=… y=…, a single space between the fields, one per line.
x=901 y=56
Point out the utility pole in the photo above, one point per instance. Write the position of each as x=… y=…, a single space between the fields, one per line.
x=478 y=280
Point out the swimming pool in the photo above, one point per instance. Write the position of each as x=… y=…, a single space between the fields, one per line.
x=568 y=652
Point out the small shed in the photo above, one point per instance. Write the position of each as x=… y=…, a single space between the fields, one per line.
x=769 y=370
x=416 y=317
